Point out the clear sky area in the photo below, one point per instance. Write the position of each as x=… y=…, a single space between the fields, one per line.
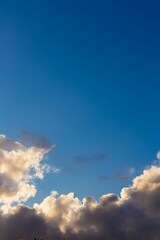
x=84 y=74
x=82 y=78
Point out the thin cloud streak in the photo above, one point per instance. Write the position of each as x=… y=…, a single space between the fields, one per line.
x=36 y=140
x=124 y=174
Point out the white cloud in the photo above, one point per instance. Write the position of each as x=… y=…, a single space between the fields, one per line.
x=68 y=211
x=19 y=166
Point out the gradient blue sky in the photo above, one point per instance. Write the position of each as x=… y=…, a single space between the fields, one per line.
x=85 y=74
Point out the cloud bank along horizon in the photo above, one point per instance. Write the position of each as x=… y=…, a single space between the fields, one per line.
x=133 y=214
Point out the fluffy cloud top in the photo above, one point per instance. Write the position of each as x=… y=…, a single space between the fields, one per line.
x=133 y=215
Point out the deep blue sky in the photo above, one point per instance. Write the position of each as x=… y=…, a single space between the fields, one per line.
x=86 y=74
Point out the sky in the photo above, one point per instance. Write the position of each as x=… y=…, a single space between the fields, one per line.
x=79 y=116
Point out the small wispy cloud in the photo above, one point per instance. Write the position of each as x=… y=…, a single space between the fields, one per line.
x=47 y=168
x=36 y=140
x=124 y=174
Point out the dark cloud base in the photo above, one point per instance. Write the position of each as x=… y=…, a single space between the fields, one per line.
x=112 y=222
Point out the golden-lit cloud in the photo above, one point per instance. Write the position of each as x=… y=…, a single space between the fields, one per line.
x=135 y=214
x=19 y=166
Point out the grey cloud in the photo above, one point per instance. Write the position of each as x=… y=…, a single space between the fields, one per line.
x=121 y=176
x=24 y=224
x=35 y=140
x=124 y=174
x=8 y=187
x=8 y=144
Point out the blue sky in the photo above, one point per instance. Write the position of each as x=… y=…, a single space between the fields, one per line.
x=85 y=74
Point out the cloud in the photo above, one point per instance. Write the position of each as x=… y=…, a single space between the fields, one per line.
x=36 y=140
x=91 y=158
x=121 y=176
x=135 y=214
x=125 y=174
x=6 y=143
x=19 y=166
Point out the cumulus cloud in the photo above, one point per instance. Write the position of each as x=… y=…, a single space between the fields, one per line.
x=19 y=166
x=135 y=214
